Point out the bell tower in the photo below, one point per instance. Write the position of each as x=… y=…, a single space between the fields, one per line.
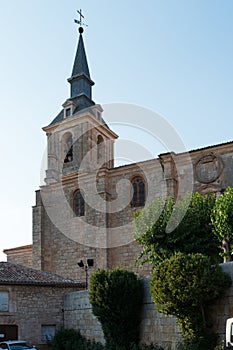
x=70 y=220
x=78 y=138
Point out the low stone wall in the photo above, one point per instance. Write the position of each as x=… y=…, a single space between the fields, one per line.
x=78 y=315
x=155 y=328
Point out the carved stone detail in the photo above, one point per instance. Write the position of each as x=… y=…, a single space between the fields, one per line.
x=208 y=168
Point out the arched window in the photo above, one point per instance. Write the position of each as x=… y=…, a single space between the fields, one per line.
x=67 y=145
x=79 y=204
x=138 y=199
x=100 y=145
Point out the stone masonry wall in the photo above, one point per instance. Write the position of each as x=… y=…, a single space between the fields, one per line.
x=78 y=315
x=21 y=255
x=30 y=307
x=104 y=234
x=155 y=327
x=60 y=239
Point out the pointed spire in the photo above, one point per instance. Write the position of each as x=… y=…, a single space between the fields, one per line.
x=80 y=62
x=81 y=83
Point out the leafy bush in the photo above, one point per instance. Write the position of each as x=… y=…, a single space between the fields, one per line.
x=220 y=346
x=69 y=339
x=136 y=347
x=184 y=286
x=199 y=345
x=116 y=298
x=222 y=220
x=165 y=227
x=146 y=347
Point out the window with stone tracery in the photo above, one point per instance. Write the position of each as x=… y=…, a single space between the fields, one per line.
x=138 y=199
x=78 y=204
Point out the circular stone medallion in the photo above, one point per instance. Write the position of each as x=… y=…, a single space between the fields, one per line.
x=208 y=168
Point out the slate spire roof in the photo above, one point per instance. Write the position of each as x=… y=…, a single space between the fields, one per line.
x=16 y=274
x=80 y=80
x=80 y=63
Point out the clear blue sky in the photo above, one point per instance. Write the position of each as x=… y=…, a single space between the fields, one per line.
x=174 y=57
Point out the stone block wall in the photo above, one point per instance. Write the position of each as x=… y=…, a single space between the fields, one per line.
x=21 y=255
x=30 y=307
x=155 y=328
x=104 y=234
x=78 y=315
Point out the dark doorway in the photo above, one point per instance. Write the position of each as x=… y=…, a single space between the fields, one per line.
x=8 y=332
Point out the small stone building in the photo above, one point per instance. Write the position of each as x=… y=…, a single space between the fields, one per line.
x=31 y=303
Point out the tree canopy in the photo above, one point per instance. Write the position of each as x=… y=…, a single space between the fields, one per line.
x=116 y=298
x=192 y=232
x=222 y=220
x=183 y=241
x=184 y=286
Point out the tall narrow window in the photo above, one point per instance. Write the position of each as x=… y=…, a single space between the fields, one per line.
x=138 y=199
x=79 y=204
x=68 y=147
x=100 y=144
x=4 y=301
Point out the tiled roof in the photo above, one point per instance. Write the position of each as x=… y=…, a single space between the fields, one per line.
x=22 y=275
x=212 y=146
x=16 y=249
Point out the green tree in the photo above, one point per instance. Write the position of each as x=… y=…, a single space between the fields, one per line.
x=222 y=220
x=162 y=229
x=116 y=298
x=184 y=286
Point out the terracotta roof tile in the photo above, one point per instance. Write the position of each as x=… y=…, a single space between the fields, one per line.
x=19 y=274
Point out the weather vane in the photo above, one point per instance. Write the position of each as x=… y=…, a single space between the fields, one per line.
x=80 y=21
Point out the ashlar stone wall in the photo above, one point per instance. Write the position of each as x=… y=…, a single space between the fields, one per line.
x=78 y=315
x=21 y=255
x=31 y=307
x=155 y=328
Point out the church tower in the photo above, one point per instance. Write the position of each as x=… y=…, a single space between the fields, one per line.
x=70 y=217
x=78 y=138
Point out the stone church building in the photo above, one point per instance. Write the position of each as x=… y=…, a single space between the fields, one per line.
x=85 y=208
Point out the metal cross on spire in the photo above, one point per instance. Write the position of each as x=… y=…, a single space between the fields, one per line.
x=80 y=21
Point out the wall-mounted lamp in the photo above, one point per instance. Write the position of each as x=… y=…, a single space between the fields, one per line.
x=85 y=267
